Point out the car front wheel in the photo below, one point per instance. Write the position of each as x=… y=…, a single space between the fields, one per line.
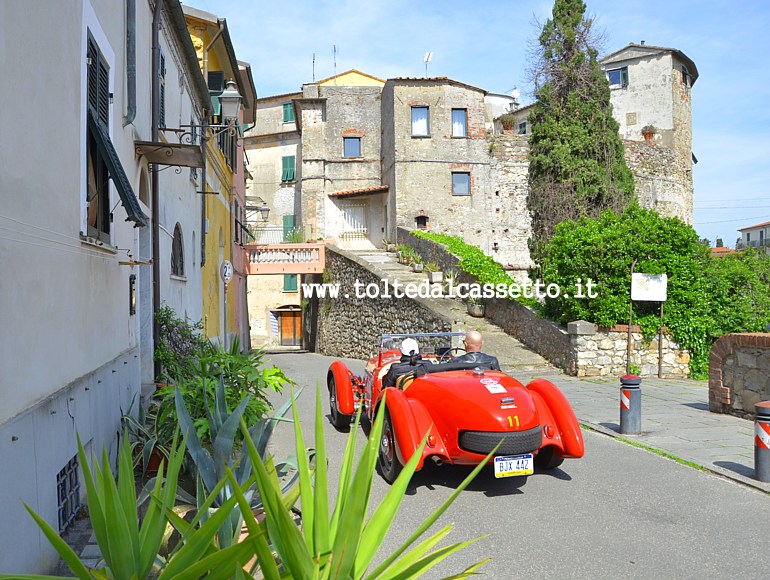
x=340 y=421
x=387 y=457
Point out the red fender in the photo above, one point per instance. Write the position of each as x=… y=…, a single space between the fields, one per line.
x=344 y=384
x=410 y=424
x=564 y=416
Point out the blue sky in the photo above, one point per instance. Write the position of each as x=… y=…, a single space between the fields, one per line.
x=484 y=43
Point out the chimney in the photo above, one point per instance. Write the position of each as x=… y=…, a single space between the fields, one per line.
x=642 y=43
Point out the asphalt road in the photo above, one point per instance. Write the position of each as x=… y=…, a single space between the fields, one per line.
x=619 y=512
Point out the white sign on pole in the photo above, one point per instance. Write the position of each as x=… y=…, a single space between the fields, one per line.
x=649 y=287
x=226 y=271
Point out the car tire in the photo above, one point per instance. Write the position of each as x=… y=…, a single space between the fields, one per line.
x=341 y=422
x=387 y=458
x=547 y=458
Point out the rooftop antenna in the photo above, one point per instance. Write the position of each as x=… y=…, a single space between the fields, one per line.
x=427 y=58
x=515 y=95
x=313 y=67
x=334 y=55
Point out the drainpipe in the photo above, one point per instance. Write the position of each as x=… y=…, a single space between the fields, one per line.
x=154 y=181
x=204 y=138
x=130 y=62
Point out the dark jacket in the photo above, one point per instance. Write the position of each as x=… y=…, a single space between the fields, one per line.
x=484 y=360
x=405 y=365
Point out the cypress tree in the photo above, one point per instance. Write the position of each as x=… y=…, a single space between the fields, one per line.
x=577 y=168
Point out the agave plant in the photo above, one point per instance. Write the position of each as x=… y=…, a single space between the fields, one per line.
x=345 y=544
x=129 y=547
x=211 y=466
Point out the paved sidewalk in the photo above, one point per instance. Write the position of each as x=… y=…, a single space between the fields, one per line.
x=675 y=419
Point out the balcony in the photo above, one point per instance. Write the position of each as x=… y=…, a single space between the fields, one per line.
x=306 y=258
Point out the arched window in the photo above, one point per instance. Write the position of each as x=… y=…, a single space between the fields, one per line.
x=177 y=253
x=422 y=222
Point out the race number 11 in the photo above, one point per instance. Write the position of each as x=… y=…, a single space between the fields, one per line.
x=512 y=420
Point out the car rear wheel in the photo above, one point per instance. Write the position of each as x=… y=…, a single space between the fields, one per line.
x=547 y=458
x=387 y=457
x=340 y=421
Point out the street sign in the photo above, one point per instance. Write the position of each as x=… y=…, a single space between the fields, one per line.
x=226 y=271
x=649 y=287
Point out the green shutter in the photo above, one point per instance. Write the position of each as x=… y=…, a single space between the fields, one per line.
x=624 y=77
x=287 y=168
x=289 y=282
x=288 y=113
x=288 y=226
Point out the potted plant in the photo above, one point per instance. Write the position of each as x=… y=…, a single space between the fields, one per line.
x=150 y=437
x=435 y=275
x=507 y=120
x=417 y=265
x=476 y=307
x=648 y=132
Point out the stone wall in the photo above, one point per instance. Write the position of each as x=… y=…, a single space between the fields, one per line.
x=580 y=349
x=739 y=373
x=602 y=351
x=351 y=327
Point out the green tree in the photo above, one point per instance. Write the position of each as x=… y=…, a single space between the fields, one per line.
x=707 y=297
x=577 y=168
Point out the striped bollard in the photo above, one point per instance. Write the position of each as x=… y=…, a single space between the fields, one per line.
x=762 y=441
x=630 y=404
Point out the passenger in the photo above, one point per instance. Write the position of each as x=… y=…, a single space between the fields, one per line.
x=410 y=360
x=473 y=345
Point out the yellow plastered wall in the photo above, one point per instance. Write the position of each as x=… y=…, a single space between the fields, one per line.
x=219 y=178
x=352 y=78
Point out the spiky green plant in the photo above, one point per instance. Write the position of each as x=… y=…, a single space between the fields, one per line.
x=345 y=544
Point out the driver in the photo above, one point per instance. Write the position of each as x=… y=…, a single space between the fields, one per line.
x=410 y=360
x=473 y=345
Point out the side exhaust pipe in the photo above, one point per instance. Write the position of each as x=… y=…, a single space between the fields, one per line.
x=437 y=460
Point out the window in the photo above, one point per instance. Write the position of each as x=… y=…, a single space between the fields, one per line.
x=461 y=183
x=288 y=227
x=162 y=79
x=618 y=78
x=459 y=122
x=68 y=494
x=351 y=147
x=354 y=218
x=420 y=122
x=287 y=168
x=422 y=222
x=289 y=282
x=98 y=188
x=523 y=128
x=686 y=78
x=288 y=113
x=177 y=252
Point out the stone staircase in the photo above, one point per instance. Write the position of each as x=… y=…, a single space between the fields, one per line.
x=512 y=354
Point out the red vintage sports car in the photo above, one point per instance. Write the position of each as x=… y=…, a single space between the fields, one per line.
x=466 y=408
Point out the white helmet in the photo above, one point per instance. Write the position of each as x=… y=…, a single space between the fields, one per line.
x=409 y=347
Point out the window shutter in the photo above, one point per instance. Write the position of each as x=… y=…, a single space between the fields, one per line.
x=288 y=226
x=93 y=74
x=624 y=77
x=287 y=168
x=289 y=282
x=288 y=113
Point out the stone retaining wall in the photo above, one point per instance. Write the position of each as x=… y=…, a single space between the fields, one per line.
x=581 y=349
x=739 y=373
x=351 y=327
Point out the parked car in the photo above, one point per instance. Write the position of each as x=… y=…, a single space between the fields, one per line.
x=466 y=411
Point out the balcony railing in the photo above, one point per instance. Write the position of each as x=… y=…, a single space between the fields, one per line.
x=286 y=258
x=266 y=234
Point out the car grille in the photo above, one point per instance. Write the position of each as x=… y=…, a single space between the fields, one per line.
x=514 y=442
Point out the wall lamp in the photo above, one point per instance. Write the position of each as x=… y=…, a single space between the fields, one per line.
x=230 y=105
x=251 y=205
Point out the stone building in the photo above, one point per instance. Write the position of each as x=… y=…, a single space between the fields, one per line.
x=432 y=153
